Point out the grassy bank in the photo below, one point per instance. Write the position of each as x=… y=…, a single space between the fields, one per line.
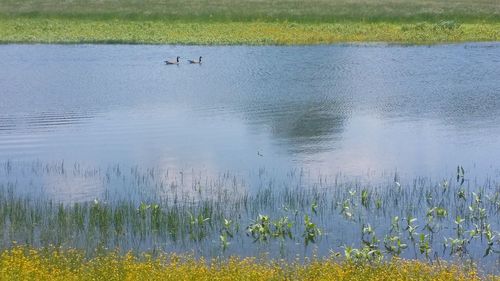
x=253 y=22
x=29 y=264
x=70 y=30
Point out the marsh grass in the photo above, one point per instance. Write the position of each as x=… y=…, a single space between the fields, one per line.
x=420 y=219
x=41 y=30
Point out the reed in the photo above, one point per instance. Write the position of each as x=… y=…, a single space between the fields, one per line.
x=420 y=219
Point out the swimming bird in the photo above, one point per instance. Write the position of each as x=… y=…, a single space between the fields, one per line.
x=194 y=61
x=172 y=62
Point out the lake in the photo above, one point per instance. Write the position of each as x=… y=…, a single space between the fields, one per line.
x=110 y=122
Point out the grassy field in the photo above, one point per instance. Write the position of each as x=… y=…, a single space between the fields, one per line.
x=244 y=10
x=55 y=264
x=248 y=22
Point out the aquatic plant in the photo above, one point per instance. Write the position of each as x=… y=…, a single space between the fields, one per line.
x=419 y=220
x=311 y=231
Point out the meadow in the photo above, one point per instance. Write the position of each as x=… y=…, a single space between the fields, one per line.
x=250 y=10
x=248 y=22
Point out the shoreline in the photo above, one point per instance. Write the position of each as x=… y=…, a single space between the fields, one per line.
x=21 y=30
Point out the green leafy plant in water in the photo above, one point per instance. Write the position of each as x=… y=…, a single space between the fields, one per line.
x=314 y=207
x=458 y=245
x=363 y=255
x=477 y=212
x=365 y=198
x=263 y=229
x=441 y=212
x=394 y=245
x=227 y=232
x=378 y=203
x=369 y=253
x=311 y=231
x=411 y=227
x=227 y=228
x=424 y=245
x=460 y=229
x=260 y=229
x=461 y=194
x=282 y=228
x=370 y=240
x=143 y=212
x=491 y=238
x=392 y=242
x=143 y=208
x=431 y=225
x=156 y=217
x=395 y=228
x=346 y=210
x=197 y=226
x=475 y=233
x=224 y=243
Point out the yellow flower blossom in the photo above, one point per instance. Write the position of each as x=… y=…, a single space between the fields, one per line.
x=22 y=263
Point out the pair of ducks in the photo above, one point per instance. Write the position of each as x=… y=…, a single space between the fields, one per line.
x=190 y=61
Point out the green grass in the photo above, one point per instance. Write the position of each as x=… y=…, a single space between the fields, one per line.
x=244 y=10
x=41 y=30
x=254 y=22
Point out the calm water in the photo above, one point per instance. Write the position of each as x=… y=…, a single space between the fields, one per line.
x=357 y=110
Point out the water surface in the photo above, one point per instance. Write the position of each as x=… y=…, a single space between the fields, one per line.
x=358 y=110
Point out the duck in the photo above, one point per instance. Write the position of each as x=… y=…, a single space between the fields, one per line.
x=194 y=61
x=173 y=62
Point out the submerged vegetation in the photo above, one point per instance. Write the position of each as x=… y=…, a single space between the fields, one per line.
x=248 y=22
x=454 y=219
